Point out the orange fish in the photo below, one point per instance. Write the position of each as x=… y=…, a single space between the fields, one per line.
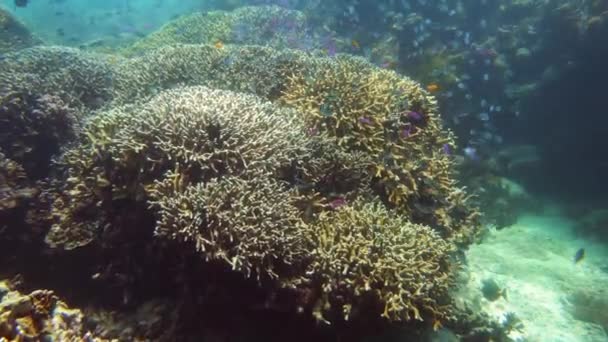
x=433 y=87
x=219 y=44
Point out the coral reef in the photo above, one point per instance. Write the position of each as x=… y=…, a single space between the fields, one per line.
x=78 y=78
x=13 y=34
x=13 y=185
x=39 y=316
x=362 y=255
x=328 y=181
x=394 y=121
x=181 y=138
x=256 y=25
x=215 y=168
x=33 y=128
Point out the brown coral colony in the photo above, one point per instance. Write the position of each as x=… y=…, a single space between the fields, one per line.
x=357 y=220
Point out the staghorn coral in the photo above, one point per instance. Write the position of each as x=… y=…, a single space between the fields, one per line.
x=364 y=256
x=79 y=79
x=249 y=223
x=257 y=25
x=176 y=154
x=250 y=69
x=180 y=138
x=393 y=120
x=376 y=112
x=33 y=128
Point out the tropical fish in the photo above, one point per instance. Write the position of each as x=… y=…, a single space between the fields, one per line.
x=365 y=120
x=414 y=116
x=219 y=44
x=433 y=87
x=337 y=203
x=471 y=153
x=446 y=149
x=21 y=3
x=579 y=255
x=491 y=291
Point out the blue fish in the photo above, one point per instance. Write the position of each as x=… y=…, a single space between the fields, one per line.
x=446 y=149
x=471 y=153
x=579 y=255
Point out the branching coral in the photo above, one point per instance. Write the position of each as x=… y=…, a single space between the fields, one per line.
x=284 y=191
x=250 y=69
x=14 y=185
x=391 y=119
x=261 y=25
x=33 y=128
x=362 y=254
x=79 y=79
x=179 y=139
x=249 y=223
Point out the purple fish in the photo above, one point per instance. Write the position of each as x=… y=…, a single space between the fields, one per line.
x=414 y=116
x=337 y=203
x=330 y=47
x=365 y=120
x=446 y=149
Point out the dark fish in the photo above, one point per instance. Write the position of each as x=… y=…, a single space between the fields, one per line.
x=492 y=291
x=579 y=255
x=21 y=3
x=414 y=116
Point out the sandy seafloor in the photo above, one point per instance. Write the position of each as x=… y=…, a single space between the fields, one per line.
x=556 y=299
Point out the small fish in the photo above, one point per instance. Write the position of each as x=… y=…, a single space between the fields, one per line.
x=414 y=116
x=21 y=3
x=219 y=44
x=337 y=203
x=471 y=153
x=355 y=44
x=492 y=291
x=446 y=149
x=433 y=87
x=579 y=255
x=365 y=120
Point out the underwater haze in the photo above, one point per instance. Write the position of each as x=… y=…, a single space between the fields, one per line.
x=292 y=170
